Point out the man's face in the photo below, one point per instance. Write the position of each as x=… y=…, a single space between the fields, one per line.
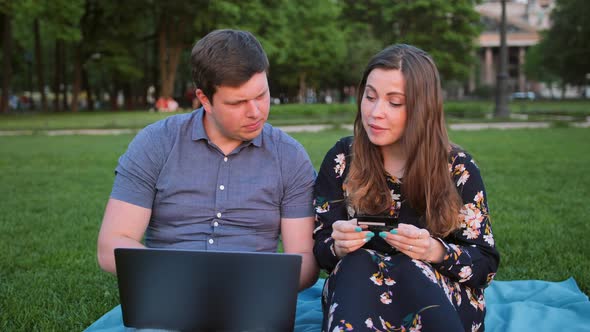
x=237 y=114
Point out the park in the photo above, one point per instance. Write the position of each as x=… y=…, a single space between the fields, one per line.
x=60 y=148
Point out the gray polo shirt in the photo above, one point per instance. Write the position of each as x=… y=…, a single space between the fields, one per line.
x=203 y=199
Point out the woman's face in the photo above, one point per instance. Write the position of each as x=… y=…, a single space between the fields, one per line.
x=383 y=108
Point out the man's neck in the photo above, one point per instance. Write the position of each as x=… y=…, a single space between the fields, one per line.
x=224 y=143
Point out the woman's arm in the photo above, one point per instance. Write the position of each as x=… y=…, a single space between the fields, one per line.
x=471 y=256
x=329 y=202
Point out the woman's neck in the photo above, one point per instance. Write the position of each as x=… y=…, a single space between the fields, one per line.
x=394 y=160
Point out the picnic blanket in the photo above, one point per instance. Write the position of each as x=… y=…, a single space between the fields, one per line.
x=522 y=305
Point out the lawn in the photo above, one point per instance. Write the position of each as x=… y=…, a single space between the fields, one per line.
x=290 y=114
x=54 y=190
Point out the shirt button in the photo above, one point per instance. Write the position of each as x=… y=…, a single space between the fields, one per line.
x=225 y=159
x=210 y=241
x=221 y=187
x=218 y=214
x=215 y=224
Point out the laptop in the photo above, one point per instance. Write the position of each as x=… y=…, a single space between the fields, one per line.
x=185 y=290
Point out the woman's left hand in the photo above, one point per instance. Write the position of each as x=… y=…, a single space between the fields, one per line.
x=415 y=242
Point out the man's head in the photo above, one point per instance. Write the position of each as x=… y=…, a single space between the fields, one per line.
x=226 y=57
x=229 y=70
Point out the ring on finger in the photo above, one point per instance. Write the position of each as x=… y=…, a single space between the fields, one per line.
x=410 y=248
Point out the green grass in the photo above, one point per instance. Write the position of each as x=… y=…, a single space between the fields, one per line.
x=538 y=184
x=54 y=190
x=89 y=120
x=288 y=114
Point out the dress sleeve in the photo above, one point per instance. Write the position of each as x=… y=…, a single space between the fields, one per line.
x=471 y=256
x=329 y=202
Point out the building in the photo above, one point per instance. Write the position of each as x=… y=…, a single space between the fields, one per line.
x=524 y=20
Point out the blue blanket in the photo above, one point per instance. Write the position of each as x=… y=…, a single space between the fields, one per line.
x=526 y=305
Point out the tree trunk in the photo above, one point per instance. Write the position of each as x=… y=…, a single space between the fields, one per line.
x=57 y=79
x=6 y=58
x=39 y=65
x=64 y=84
x=163 y=58
x=86 y=87
x=155 y=69
x=113 y=100
x=114 y=93
x=302 y=88
x=169 y=51
x=77 y=77
x=128 y=95
x=173 y=60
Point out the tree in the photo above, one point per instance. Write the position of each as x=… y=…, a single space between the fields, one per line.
x=39 y=64
x=57 y=21
x=537 y=67
x=108 y=54
x=95 y=45
x=566 y=45
x=175 y=32
x=300 y=39
x=315 y=41
x=361 y=46
x=37 y=11
x=445 y=29
x=6 y=21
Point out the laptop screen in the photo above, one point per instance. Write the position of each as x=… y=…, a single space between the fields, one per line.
x=207 y=290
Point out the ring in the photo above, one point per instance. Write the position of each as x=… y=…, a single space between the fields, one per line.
x=410 y=248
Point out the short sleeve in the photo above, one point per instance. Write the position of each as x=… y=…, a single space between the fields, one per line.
x=298 y=177
x=138 y=169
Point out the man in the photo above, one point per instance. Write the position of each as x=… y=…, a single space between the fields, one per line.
x=218 y=178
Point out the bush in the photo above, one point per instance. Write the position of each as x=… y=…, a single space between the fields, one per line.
x=485 y=91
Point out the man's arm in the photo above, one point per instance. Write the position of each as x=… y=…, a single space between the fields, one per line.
x=296 y=234
x=123 y=226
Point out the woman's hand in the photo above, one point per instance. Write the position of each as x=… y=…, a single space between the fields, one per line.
x=415 y=242
x=348 y=236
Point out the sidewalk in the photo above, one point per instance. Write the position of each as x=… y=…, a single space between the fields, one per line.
x=293 y=129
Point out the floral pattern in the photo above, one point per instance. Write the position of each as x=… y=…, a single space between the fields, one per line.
x=469 y=264
x=340 y=165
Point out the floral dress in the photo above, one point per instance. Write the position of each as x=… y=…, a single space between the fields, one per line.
x=377 y=288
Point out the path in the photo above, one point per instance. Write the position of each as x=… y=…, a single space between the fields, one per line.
x=292 y=129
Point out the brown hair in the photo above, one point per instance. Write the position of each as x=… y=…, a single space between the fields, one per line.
x=427 y=183
x=226 y=57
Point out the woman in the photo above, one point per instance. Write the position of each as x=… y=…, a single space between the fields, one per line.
x=428 y=273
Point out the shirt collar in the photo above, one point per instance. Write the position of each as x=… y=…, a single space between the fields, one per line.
x=199 y=132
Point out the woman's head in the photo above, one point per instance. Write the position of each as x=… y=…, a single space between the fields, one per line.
x=410 y=78
x=400 y=111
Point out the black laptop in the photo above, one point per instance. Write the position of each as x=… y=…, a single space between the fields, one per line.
x=186 y=290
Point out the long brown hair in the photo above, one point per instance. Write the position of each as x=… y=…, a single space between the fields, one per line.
x=427 y=183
